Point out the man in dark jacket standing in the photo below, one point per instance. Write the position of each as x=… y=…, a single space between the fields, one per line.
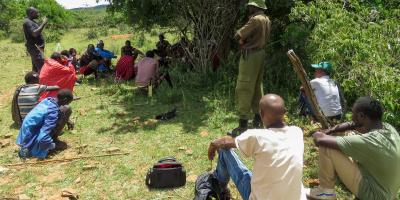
x=34 y=39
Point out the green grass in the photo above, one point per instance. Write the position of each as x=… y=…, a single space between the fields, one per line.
x=105 y=118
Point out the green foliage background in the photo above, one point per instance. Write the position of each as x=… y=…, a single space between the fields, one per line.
x=13 y=13
x=363 y=43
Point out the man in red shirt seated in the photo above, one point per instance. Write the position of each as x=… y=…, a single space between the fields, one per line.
x=56 y=71
x=125 y=66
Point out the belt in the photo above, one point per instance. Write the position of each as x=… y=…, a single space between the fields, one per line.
x=246 y=52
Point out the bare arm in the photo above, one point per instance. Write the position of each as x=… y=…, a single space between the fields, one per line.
x=39 y=30
x=221 y=143
x=52 y=88
x=347 y=126
x=321 y=139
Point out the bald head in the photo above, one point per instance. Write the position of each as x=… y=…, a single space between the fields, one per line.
x=272 y=108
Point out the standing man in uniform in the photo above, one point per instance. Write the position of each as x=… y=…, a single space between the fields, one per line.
x=252 y=39
x=34 y=39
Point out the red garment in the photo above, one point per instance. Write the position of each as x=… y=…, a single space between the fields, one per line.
x=125 y=68
x=55 y=74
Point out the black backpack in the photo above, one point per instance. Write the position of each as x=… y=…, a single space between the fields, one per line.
x=207 y=188
x=166 y=173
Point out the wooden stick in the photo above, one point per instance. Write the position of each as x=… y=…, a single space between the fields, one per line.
x=301 y=73
x=63 y=160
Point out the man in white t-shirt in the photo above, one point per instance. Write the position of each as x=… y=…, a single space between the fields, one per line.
x=277 y=152
x=326 y=91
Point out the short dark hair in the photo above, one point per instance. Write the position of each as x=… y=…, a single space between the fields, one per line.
x=65 y=53
x=150 y=54
x=55 y=56
x=72 y=50
x=32 y=78
x=128 y=42
x=65 y=95
x=30 y=10
x=372 y=108
x=127 y=52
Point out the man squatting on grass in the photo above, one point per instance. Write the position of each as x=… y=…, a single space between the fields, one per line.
x=278 y=153
x=368 y=164
x=43 y=125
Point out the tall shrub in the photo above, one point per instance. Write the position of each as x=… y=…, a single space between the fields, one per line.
x=362 y=40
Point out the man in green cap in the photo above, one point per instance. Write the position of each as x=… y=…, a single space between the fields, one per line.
x=252 y=39
x=326 y=91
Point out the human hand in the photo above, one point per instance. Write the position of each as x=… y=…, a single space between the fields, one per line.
x=317 y=135
x=241 y=42
x=45 y=20
x=211 y=150
x=70 y=125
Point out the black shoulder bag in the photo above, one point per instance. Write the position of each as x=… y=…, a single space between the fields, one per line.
x=166 y=173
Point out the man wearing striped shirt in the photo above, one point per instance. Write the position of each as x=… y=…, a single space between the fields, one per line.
x=26 y=96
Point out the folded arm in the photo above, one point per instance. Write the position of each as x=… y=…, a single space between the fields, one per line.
x=347 y=126
x=221 y=143
x=324 y=140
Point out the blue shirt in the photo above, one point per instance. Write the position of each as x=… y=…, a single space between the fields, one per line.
x=34 y=134
x=104 y=54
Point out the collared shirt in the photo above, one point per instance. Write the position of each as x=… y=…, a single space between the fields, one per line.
x=256 y=32
x=377 y=154
x=34 y=134
x=278 y=162
x=147 y=70
x=327 y=94
x=30 y=26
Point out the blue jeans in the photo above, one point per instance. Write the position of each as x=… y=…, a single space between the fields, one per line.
x=307 y=108
x=230 y=166
x=306 y=105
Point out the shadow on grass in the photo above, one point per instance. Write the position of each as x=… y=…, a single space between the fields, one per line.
x=129 y=110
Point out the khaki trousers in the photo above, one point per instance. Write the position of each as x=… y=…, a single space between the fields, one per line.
x=334 y=163
x=249 y=84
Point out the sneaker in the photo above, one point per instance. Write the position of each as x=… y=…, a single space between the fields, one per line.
x=320 y=193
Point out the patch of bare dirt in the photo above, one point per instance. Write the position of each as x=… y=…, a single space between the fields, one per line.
x=6 y=97
x=54 y=176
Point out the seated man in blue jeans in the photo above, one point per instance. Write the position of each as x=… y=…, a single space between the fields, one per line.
x=277 y=152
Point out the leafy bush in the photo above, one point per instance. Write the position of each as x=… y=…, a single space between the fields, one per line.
x=15 y=32
x=363 y=43
x=91 y=34
x=14 y=12
x=3 y=34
